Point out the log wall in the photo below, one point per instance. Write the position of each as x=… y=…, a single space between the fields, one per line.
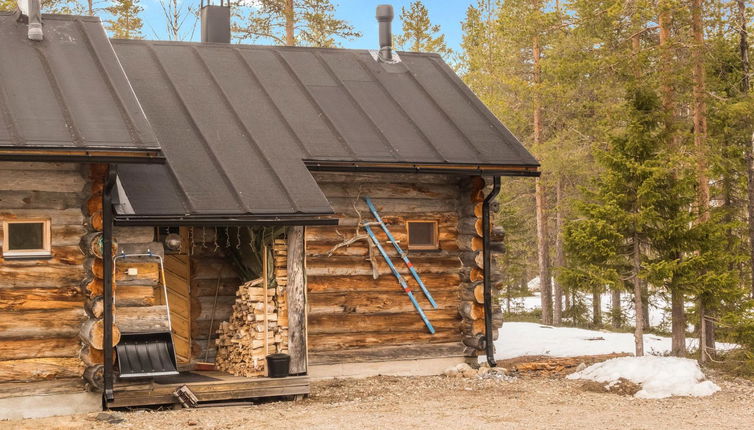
x=41 y=302
x=348 y=308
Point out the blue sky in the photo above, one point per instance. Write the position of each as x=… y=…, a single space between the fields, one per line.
x=360 y=13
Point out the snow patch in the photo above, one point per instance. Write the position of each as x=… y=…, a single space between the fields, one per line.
x=659 y=377
x=519 y=339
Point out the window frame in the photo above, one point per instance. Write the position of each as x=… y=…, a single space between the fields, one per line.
x=44 y=252
x=434 y=246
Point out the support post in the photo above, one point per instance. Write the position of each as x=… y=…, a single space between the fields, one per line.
x=297 y=342
x=107 y=264
x=488 y=344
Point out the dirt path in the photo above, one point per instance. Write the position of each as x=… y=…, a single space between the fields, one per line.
x=442 y=403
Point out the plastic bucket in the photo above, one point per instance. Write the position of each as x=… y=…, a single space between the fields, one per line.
x=278 y=365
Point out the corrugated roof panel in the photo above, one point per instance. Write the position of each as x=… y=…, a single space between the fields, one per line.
x=288 y=94
x=68 y=92
x=237 y=123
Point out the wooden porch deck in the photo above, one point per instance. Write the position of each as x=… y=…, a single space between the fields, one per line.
x=222 y=387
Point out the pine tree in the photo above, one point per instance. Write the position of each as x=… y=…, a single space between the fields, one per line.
x=125 y=22
x=292 y=23
x=418 y=32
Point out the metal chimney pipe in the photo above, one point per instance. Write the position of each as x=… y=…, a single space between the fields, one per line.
x=385 y=19
x=215 y=22
x=32 y=9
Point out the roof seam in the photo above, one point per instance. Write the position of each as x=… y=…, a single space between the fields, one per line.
x=477 y=104
x=199 y=133
x=10 y=122
x=401 y=109
x=289 y=127
x=127 y=120
x=314 y=102
x=251 y=141
x=446 y=115
x=67 y=116
x=358 y=107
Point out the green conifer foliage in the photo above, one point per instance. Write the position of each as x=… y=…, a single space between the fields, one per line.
x=125 y=22
x=418 y=32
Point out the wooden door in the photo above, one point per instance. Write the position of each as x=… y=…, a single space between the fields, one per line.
x=178 y=281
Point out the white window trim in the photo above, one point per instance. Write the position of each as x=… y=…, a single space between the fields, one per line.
x=44 y=252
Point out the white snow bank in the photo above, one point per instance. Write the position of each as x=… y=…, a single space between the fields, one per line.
x=659 y=377
x=518 y=339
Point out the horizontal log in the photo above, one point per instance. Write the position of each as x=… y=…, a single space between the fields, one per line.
x=42 y=388
x=63 y=234
x=335 y=234
x=434 y=282
x=134 y=295
x=127 y=235
x=471 y=226
x=379 y=192
x=38 y=369
x=360 y=302
x=39 y=200
x=93 y=357
x=12 y=276
x=24 y=165
x=26 y=299
x=334 y=342
x=447 y=248
x=142 y=319
x=444 y=218
x=94 y=376
x=53 y=180
x=354 y=266
x=388 y=353
x=387 y=322
x=72 y=216
x=41 y=324
x=208 y=287
x=222 y=310
x=382 y=178
x=416 y=206
x=39 y=348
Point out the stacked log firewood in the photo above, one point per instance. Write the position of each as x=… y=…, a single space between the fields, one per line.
x=92 y=331
x=252 y=332
x=470 y=242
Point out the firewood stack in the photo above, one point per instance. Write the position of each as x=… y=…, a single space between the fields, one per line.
x=252 y=332
x=92 y=331
x=470 y=242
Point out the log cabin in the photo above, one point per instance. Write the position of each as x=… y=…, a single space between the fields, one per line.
x=221 y=192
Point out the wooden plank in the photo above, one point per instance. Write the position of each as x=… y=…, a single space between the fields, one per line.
x=39 y=200
x=381 y=178
x=35 y=369
x=367 y=284
x=56 y=181
x=358 y=266
x=389 y=353
x=39 y=348
x=57 y=386
x=297 y=301
x=387 y=301
x=21 y=299
x=41 y=324
x=386 y=322
x=335 y=342
x=73 y=216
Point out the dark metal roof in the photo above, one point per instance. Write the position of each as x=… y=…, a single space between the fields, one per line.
x=67 y=96
x=240 y=124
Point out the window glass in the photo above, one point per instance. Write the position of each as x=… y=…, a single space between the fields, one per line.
x=422 y=234
x=25 y=236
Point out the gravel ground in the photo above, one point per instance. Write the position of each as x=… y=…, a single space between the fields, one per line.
x=442 y=402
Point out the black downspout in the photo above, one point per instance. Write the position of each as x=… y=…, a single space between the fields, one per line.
x=488 y=344
x=107 y=263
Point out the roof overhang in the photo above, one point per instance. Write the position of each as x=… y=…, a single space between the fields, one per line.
x=82 y=155
x=224 y=220
x=446 y=169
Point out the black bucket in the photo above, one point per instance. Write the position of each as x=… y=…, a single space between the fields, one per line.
x=278 y=365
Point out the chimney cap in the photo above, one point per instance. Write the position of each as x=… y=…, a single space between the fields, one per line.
x=385 y=13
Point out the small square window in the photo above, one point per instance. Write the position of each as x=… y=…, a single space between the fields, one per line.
x=422 y=235
x=26 y=238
